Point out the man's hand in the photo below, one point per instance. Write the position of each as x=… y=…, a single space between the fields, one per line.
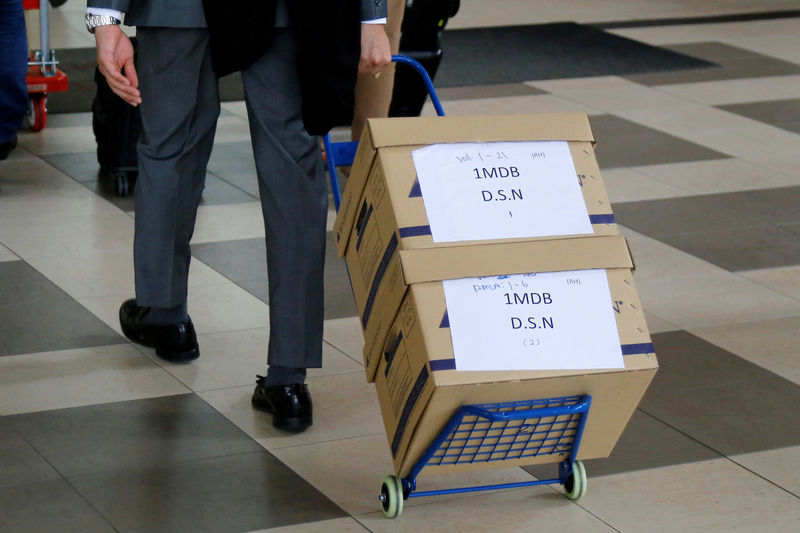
x=115 y=53
x=375 y=51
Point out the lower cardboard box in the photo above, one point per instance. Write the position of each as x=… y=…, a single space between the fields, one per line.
x=419 y=389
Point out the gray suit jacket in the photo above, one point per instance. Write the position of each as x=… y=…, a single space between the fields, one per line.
x=189 y=13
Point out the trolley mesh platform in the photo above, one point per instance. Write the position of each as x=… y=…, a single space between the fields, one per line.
x=498 y=432
x=486 y=432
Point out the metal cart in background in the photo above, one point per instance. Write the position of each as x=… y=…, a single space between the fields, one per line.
x=43 y=76
x=485 y=433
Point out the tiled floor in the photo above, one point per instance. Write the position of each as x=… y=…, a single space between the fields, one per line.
x=703 y=169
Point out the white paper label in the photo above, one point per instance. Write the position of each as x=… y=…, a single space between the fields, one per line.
x=476 y=191
x=545 y=321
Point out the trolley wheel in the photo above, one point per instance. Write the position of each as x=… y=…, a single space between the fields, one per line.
x=391 y=496
x=575 y=484
x=122 y=183
x=37 y=112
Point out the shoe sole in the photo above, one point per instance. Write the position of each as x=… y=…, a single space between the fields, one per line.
x=291 y=425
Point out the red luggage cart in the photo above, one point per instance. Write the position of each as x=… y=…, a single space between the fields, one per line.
x=43 y=76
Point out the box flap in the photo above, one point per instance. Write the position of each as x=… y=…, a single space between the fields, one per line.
x=577 y=253
x=406 y=131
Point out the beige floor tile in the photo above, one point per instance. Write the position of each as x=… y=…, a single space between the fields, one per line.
x=617 y=95
x=515 y=105
x=350 y=472
x=717 y=176
x=345 y=406
x=229 y=222
x=107 y=273
x=225 y=307
x=343 y=525
x=345 y=334
x=784 y=46
x=737 y=91
x=772 y=344
x=785 y=280
x=70 y=378
x=77 y=139
x=711 y=300
x=778 y=466
x=528 y=510
x=656 y=260
x=7 y=255
x=33 y=190
x=232 y=129
x=78 y=234
x=707 y=496
x=213 y=309
x=238 y=108
x=233 y=359
x=658 y=325
x=629 y=185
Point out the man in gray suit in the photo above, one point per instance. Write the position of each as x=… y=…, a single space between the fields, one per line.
x=176 y=89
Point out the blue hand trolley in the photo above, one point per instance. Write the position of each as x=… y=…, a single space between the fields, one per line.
x=485 y=433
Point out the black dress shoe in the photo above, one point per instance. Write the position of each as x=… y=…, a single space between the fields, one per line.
x=7 y=147
x=290 y=405
x=173 y=342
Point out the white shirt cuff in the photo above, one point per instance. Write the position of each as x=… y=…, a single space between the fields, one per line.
x=103 y=11
x=374 y=21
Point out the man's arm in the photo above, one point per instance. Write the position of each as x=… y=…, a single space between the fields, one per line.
x=115 y=51
x=376 y=52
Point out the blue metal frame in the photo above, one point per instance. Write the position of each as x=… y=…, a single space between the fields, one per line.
x=342 y=153
x=531 y=414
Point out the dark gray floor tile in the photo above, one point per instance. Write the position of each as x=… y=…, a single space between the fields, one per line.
x=20 y=463
x=621 y=143
x=233 y=494
x=82 y=167
x=646 y=443
x=218 y=191
x=735 y=63
x=37 y=316
x=780 y=113
x=688 y=362
x=132 y=434
x=233 y=162
x=500 y=90
x=741 y=249
x=49 y=506
x=719 y=399
x=244 y=262
x=240 y=260
x=736 y=231
x=733 y=419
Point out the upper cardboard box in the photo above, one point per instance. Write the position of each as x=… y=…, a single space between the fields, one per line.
x=423 y=131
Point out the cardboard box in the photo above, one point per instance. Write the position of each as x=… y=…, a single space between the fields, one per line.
x=419 y=389
x=381 y=219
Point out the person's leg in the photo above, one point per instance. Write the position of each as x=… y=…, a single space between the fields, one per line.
x=294 y=198
x=373 y=96
x=180 y=106
x=13 y=67
x=179 y=110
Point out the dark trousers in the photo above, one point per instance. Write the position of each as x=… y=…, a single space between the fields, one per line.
x=180 y=106
x=13 y=67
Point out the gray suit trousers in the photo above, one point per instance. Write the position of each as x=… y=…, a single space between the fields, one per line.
x=180 y=106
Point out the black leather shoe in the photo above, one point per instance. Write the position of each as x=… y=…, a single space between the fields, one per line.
x=173 y=342
x=7 y=147
x=290 y=405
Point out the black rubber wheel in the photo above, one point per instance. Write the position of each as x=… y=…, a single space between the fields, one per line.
x=122 y=184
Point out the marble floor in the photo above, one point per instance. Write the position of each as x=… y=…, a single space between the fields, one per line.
x=703 y=169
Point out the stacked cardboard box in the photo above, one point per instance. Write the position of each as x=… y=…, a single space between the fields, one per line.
x=397 y=268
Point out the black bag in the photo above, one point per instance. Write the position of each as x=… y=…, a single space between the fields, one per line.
x=117 y=126
x=423 y=24
x=240 y=31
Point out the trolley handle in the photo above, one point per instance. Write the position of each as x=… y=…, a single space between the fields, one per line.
x=541 y=412
x=342 y=153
